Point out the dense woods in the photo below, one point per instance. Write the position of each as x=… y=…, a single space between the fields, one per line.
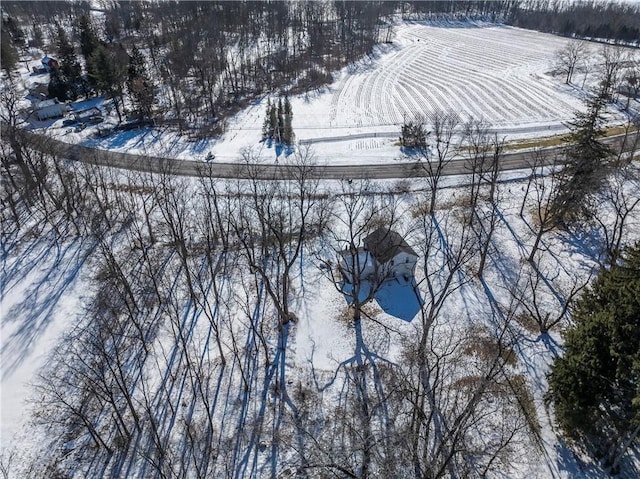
x=199 y=62
x=608 y=21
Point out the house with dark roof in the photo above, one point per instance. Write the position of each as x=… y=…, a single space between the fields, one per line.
x=385 y=255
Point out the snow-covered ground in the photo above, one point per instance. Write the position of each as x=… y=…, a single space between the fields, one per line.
x=501 y=75
x=44 y=290
x=491 y=72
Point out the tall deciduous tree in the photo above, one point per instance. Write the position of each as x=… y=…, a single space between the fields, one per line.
x=567 y=58
x=594 y=386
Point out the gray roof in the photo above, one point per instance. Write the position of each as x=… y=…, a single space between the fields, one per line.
x=384 y=244
x=46 y=103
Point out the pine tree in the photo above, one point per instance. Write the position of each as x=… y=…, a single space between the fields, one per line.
x=66 y=80
x=587 y=162
x=139 y=84
x=8 y=52
x=267 y=131
x=109 y=69
x=70 y=70
x=273 y=122
x=38 y=37
x=595 y=385
x=58 y=87
x=280 y=122
x=13 y=29
x=287 y=134
x=89 y=41
x=137 y=64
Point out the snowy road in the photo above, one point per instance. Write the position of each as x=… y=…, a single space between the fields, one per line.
x=510 y=161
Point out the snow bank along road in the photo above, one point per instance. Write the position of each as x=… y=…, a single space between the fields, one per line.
x=509 y=161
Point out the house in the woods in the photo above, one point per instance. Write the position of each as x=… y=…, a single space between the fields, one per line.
x=52 y=108
x=385 y=255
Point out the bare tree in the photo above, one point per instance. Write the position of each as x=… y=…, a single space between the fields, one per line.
x=444 y=128
x=544 y=180
x=11 y=119
x=612 y=59
x=542 y=303
x=367 y=431
x=620 y=197
x=451 y=399
x=568 y=57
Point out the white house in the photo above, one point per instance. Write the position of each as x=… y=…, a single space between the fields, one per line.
x=385 y=255
x=50 y=109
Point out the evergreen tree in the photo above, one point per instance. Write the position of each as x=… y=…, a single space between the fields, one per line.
x=65 y=81
x=38 y=37
x=58 y=87
x=70 y=70
x=89 y=41
x=280 y=121
x=287 y=133
x=139 y=84
x=267 y=130
x=109 y=69
x=137 y=64
x=413 y=134
x=587 y=162
x=277 y=122
x=8 y=52
x=273 y=122
x=15 y=32
x=595 y=385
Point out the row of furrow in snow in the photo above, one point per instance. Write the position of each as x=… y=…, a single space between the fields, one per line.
x=490 y=83
x=451 y=96
x=480 y=73
x=383 y=84
x=374 y=103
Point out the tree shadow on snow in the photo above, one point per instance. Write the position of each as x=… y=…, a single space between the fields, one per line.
x=38 y=306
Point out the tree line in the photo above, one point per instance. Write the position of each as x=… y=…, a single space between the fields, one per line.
x=617 y=22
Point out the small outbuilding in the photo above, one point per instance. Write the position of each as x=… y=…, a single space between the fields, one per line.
x=91 y=115
x=49 y=63
x=52 y=108
x=38 y=92
x=631 y=90
x=385 y=255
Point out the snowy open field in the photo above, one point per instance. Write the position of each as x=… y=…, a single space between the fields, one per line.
x=482 y=71
x=496 y=73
